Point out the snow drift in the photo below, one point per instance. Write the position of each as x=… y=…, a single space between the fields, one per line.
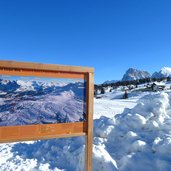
x=140 y=137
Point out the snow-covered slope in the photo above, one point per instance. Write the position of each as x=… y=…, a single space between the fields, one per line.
x=31 y=102
x=135 y=137
x=134 y=74
x=164 y=72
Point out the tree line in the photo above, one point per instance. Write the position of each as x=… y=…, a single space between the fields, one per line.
x=101 y=87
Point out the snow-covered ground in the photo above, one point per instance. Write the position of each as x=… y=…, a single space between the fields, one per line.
x=109 y=108
x=129 y=135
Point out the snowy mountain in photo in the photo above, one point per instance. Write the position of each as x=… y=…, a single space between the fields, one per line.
x=36 y=102
x=134 y=74
x=164 y=72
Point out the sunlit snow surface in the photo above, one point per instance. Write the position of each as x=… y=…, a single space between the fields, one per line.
x=133 y=134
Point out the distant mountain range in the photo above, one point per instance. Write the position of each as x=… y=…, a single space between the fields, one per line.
x=110 y=81
x=135 y=74
x=34 y=102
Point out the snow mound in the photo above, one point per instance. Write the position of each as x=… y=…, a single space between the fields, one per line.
x=102 y=160
x=140 y=137
x=55 y=154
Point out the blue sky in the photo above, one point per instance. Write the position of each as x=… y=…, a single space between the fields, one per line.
x=109 y=35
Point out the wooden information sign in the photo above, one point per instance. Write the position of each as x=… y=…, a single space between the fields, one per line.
x=42 y=101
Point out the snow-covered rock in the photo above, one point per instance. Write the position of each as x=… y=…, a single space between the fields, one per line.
x=164 y=72
x=134 y=74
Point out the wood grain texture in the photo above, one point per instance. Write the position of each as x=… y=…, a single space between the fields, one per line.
x=48 y=74
x=47 y=131
x=42 y=131
x=89 y=137
x=45 y=67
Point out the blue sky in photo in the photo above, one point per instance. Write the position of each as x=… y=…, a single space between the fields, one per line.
x=109 y=35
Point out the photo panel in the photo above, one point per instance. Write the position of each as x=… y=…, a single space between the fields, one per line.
x=33 y=100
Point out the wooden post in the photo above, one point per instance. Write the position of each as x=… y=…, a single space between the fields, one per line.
x=89 y=136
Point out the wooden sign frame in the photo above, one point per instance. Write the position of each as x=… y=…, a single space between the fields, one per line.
x=46 y=131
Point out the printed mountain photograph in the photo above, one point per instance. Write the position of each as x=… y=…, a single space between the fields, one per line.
x=32 y=100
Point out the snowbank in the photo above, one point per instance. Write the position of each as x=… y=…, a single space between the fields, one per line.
x=140 y=137
x=137 y=139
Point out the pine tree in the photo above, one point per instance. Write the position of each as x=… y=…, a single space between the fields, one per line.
x=125 y=96
x=102 y=90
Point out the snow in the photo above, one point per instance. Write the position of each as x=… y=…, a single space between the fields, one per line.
x=4 y=81
x=25 y=85
x=1 y=101
x=141 y=136
x=109 y=108
x=25 y=104
x=102 y=160
x=129 y=135
x=166 y=71
x=134 y=74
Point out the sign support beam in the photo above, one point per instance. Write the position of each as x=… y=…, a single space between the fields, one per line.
x=89 y=137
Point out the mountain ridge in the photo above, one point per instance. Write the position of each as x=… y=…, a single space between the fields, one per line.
x=135 y=74
x=132 y=74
